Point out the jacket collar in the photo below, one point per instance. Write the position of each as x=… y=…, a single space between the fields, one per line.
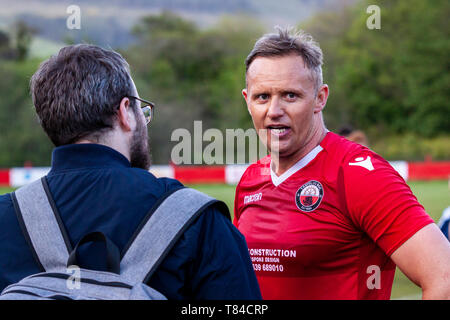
x=88 y=155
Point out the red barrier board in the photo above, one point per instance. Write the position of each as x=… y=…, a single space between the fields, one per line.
x=429 y=170
x=4 y=178
x=200 y=174
x=217 y=174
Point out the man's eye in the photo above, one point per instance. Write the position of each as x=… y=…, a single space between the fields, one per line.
x=262 y=96
x=291 y=95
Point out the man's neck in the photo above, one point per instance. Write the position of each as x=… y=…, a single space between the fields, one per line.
x=280 y=164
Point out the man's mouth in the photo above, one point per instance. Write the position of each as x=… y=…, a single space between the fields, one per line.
x=279 y=130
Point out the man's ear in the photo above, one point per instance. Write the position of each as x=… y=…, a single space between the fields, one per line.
x=321 y=98
x=245 y=95
x=123 y=114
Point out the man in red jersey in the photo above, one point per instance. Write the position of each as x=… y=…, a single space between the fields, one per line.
x=325 y=218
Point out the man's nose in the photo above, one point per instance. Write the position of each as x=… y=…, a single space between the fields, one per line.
x=275 y=108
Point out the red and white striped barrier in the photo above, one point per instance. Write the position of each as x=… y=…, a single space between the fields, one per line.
x=229 y=174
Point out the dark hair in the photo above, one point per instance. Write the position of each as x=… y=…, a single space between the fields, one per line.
x=345 y=130
x=77 y=92
x=287 y=42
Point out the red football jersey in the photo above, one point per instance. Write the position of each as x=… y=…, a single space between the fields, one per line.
x=325 y=229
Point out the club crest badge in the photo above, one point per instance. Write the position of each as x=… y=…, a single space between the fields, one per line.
x=309 y=196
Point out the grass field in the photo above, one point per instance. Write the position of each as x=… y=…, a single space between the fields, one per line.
x=433 y=195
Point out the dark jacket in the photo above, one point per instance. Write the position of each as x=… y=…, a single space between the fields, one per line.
x=96 y=189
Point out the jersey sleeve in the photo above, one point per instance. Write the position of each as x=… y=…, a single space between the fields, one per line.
x=379 y=201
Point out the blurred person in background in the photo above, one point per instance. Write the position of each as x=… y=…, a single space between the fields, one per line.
x=357 y=136
x=444 y=221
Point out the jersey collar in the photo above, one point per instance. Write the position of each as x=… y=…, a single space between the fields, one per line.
x=277 y=180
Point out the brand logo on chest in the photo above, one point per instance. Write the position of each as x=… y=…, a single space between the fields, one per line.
x=253 y=198
x=309 y=196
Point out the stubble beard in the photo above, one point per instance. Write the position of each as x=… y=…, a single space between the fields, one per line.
x=139 y=148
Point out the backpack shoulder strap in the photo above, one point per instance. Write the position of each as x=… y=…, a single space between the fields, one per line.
x=41 y=225
x=159 y=232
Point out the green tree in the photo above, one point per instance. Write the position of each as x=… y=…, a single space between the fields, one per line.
x=329 y=29
x=22 y=138
x=396 y=79
x=192 y=74
x=23 y=37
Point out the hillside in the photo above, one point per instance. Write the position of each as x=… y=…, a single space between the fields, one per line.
x=108 y=22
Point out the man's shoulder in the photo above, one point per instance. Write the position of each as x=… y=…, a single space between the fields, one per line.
x=350 y=155
x=5 y=198
x=163 y=182
x=342 y=149
x=170 y=185
x=364 y=162
x=6 y=204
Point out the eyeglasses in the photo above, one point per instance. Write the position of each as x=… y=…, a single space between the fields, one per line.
x=147 y=109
